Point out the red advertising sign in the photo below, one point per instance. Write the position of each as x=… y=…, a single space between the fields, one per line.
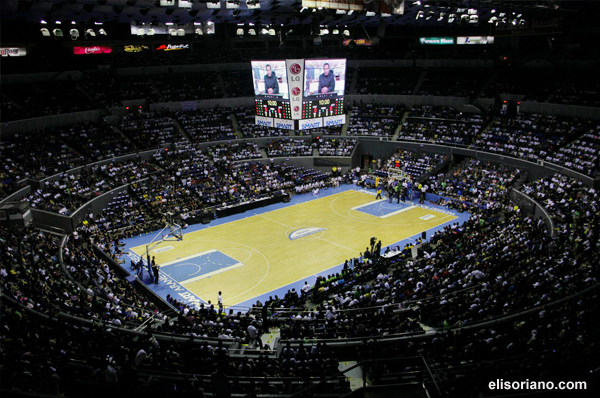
x=92 y=50
x=172 y=47
x=359 y=42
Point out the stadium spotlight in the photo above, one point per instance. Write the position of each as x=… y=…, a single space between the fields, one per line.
x=430 y=14
x=251 y=32
x=210 y=28
x=252 y=4
x=346 y=33
x=198 y=32
x=141 y=31
x=473 y=19
x=151 y=32
x=336 y=31
x=173 y=32
x=420 y=14
x=102 y=32
x=89 y=33
x=43 y=22
x=74 y=33
x=58 y=33
x=240 y=32
x=442 y=16
x=416 y=3
x=370 y=13
x=45 y=32
x=493 y=19
x=180 y=32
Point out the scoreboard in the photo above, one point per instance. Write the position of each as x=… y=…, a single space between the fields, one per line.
x=299 y=94
x=321 y=107
x=275 y=108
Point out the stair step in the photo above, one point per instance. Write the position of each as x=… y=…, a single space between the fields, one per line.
x=354 y=376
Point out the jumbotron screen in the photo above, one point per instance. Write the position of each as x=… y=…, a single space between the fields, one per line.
x=271 y=93
x=299 y=94
x=324 y=87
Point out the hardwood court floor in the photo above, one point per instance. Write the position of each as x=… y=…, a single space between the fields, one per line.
x=263 y=252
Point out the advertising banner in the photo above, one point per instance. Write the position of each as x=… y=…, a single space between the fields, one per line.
x=13 y=51
x=285 y=124
x=475 y=40
x=92 y=50
x=436 y=40
x=334 y=120
x=305 y=124
x=263 y=121
x=295 y=75
x=173 y=47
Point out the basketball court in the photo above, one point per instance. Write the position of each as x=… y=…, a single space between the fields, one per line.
x=269 y=250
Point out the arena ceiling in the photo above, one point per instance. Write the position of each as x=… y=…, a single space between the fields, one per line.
x=287 y=12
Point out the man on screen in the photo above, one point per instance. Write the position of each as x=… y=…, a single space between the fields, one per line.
x=271 y=82
x=326 y=80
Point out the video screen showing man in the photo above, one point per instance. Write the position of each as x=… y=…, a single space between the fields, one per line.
x=324 y=78
x=270 y=79
x=271 y=82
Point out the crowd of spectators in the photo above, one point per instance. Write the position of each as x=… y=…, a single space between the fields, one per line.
x=372 y=126
x=413 y=164
x=97 y=141
x=234 y=151
x=71 y=190
x=573 y=206
x=108 y=89
x=328 y=146
x=480 y=183
x=207 y=124
x=288 y=147
x=245 y=117
x=374 y=109
x=41 y=99
x=238 y=83
x=579 y=89
x=528 y=136
x=580 y=155
x=150 y=129
x=465 y=82
x=497 y=263
x=440 y=124
x=177 y=87
x=389 y=81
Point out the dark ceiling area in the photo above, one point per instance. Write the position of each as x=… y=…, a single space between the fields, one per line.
x=21 y=19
